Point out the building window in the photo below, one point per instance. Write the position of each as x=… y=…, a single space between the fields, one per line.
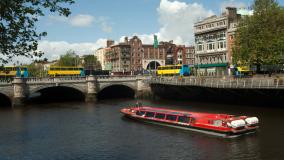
x=221 y=35
x=210 y=46
x=221 y=44
x=199 y=47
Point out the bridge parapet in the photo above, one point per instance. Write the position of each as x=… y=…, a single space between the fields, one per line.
x=257 y=83
x=116 y=78
x=55 y=79
x=5 y=81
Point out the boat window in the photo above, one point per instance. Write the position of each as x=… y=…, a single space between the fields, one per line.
x=171 y=117
x=217 y=123
x=150 y=114
x=140 y=113
x=183 y=119
x=160 y=116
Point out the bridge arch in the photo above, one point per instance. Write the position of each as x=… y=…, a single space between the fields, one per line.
x=36 y=89
x=116 y=91
x=129 y=85
x=5 y=100
x=54 y=93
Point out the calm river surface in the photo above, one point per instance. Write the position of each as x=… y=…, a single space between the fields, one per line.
x=60 y=131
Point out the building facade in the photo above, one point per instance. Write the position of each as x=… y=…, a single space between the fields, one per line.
x=118 y=58
x=179 y=54
x=190 y=56
x=153 y=57
x=213 y=55
x=134 y=56
x=100 y=54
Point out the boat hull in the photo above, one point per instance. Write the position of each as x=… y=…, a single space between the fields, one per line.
x=228 y=134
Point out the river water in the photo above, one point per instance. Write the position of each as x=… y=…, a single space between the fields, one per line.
x=60 y=131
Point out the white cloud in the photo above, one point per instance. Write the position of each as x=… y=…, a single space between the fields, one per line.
x=53 y=49
x=103 y=23
x=53 y=18
x=82 y=20
x=176 y=22
x=145 y=38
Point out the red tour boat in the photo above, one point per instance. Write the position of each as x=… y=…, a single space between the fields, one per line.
x=217 y=124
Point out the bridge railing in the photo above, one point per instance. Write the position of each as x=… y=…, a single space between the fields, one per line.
x=116 y=77
x=72 y=79
x=262 y=83
x=54 y=79
x=5 y=81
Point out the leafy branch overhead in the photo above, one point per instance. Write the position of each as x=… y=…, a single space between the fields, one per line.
x=260 y=37
x=18 y=35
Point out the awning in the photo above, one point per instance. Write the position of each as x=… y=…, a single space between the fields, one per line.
x=211 y=65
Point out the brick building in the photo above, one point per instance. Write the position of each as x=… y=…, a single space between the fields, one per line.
x=132 y=55
x=118 y=58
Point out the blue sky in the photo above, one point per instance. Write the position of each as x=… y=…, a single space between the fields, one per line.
x=94 y=21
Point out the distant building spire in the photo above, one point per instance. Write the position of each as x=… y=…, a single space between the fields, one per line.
x=156 y=41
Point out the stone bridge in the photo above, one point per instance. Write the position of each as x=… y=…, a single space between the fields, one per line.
x=255 y=90
x=18 y=90
x=226 y=83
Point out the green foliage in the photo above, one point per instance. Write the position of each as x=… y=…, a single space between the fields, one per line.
x=91 y=62
x=69 y=59
x=260 y=37
x=18 y=36
x=36 y=70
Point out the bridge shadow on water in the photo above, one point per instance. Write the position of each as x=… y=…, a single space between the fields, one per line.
x=116 y=92
x=56 y=94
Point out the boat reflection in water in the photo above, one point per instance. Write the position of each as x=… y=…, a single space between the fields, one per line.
x=224 y=125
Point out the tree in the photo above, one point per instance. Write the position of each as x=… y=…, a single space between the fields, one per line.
x=91 y=62
x=69 y=59
x=36 y=69
x=18 y=36
x=260 y=37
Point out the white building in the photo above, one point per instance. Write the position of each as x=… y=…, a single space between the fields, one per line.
x=213 y=40
x=100 y=54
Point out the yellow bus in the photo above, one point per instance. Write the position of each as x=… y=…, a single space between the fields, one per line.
x=55 y=71
x=242 y=71
x=13 y=71
x=172 y=70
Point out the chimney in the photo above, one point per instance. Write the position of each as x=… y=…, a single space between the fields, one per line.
x=110 y=43
x=231 y=12
x=126 y=40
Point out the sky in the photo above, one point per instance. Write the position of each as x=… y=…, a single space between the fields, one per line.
x=92 y=22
